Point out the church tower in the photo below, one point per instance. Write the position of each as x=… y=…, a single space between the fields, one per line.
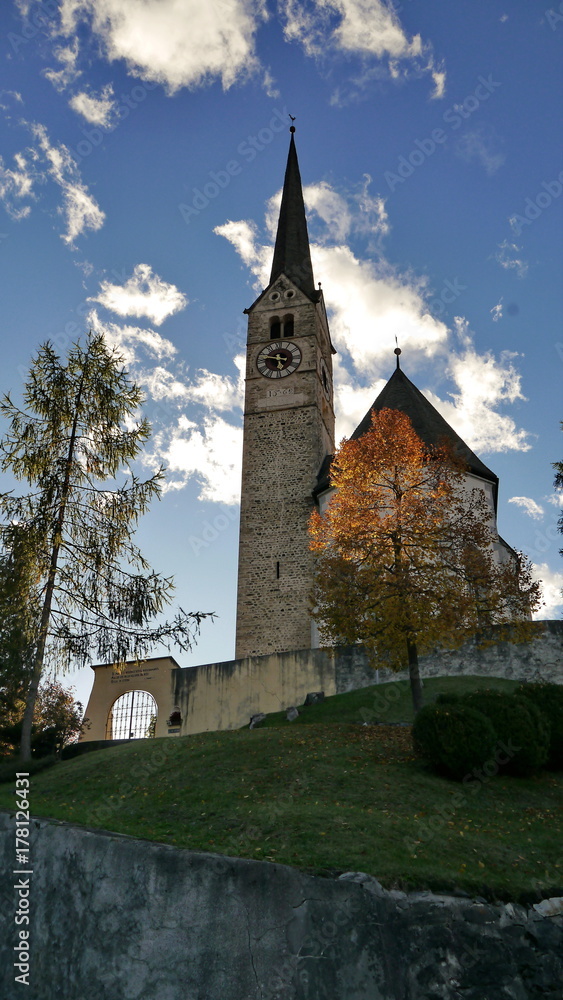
x=288 y=433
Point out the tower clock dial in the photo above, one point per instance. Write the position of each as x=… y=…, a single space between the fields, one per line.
x=278 y=359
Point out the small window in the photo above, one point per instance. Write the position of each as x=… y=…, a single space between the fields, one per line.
x=288 y=327
x=275 y=328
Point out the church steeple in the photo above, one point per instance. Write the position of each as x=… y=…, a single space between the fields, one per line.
x=292 y=254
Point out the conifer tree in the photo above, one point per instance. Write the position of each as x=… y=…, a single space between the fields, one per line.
x=404 y=551
x=92 y=591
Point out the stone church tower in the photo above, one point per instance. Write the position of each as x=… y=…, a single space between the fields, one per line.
x=288 y=434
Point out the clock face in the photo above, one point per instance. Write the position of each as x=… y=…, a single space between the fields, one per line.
x=278 y=359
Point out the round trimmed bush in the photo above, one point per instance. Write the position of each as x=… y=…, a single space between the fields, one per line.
x=447 y=698
x=454 y=738
x=522 y=731
x=549 y=699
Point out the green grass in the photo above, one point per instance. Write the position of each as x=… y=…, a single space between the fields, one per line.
x=326 y=795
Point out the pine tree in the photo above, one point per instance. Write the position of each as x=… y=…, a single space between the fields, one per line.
x=404 y=550
x=73 y=444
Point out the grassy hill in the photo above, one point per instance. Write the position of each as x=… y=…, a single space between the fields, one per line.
x=326 y=794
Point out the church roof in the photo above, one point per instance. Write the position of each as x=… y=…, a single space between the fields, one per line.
x=292 y=255
x=401 y=394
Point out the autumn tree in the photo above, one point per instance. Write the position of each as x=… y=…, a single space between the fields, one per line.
x=57 y=720
x=74 y=443
x=405 y=560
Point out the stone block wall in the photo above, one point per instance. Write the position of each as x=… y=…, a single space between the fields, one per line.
x=115 y=918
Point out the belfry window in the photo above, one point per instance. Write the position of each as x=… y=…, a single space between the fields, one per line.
x=281 y=329
x=288 y=327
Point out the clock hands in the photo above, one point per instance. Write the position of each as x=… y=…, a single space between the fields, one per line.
x=281 y=360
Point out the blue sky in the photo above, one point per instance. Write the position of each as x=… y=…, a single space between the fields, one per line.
x=143 y=149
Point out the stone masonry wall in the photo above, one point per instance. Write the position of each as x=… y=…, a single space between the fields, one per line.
x=115 y=918
x=541 y=659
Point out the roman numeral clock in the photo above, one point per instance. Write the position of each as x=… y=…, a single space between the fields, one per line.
x=288 y=432
x=278 y=360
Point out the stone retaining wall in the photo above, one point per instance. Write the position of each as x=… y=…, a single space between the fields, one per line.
x=115 y=918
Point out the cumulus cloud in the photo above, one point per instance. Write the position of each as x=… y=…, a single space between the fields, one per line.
x=98 y=109
x=209 y=452
x=368 y=29
x=552 y=585
x=143 y=294
x=370 y=303
x=177 y=43
x=529 y=506
x=555 y=498
x=128 y=339
x=484 y=384
x=196 y=416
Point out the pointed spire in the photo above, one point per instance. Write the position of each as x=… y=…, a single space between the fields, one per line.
x=292 y=254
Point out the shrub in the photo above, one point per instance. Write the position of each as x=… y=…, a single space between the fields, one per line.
x=447 y=698
x=12 y=766
x=549 y=699
x=519 y=726
x=455 y=739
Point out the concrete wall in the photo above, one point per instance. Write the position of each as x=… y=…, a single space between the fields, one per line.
x=225 y=695
x=114 y=918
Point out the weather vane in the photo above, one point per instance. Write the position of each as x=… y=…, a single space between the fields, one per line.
x=397 y=351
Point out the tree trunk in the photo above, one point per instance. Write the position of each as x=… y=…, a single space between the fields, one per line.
x=414 y=676
x=25 y=744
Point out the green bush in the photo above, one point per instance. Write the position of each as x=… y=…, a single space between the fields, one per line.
x=447 y=698
x=454 y=738
x=12 y=766
x=549 y=699
x=519 y=726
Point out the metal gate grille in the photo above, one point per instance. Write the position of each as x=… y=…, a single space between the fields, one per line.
x=132 y=717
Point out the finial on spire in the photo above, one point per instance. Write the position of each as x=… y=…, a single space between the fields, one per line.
x=292 y=127
x=397 y=352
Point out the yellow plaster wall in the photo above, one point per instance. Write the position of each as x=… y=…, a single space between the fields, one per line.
x=226 y=695
x=154 y=675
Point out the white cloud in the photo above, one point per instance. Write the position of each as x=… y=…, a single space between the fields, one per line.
x=369 y=29
x=439 y=78
x=16 y=184
x=128 y=339
x=552 y=584
x=529 y=506
x=177 y=43
x=143 y=294
x=509 y=258
x=555 y=498
x=480 y=145
x=369 y=304
x=210 y=452
x=483 y=384
x=67 y=56
x=191 y=438
x=97 y=109
x=46 y=161
x=496 y=311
